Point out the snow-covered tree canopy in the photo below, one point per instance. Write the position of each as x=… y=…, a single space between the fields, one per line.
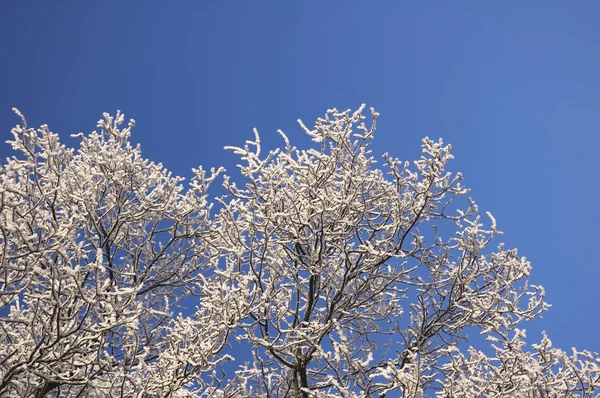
x=322 y=274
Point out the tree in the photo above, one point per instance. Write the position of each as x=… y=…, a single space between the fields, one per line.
x=98 y=249
x=340 y=278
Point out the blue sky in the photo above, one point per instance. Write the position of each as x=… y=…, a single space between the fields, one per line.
x=514 y=86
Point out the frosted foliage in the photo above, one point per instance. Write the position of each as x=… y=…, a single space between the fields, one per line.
x=321 y=273
x=98 y=248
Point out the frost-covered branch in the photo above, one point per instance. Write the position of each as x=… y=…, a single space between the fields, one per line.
x=322 y=273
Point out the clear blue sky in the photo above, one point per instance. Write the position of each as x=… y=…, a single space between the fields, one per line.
x=513 y=85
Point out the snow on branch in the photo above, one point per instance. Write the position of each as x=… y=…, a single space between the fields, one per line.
x=320 y=275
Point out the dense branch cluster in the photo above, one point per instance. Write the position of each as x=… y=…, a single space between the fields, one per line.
x=320 y=275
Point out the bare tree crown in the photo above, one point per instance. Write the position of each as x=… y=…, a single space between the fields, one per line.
x=338 y=276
